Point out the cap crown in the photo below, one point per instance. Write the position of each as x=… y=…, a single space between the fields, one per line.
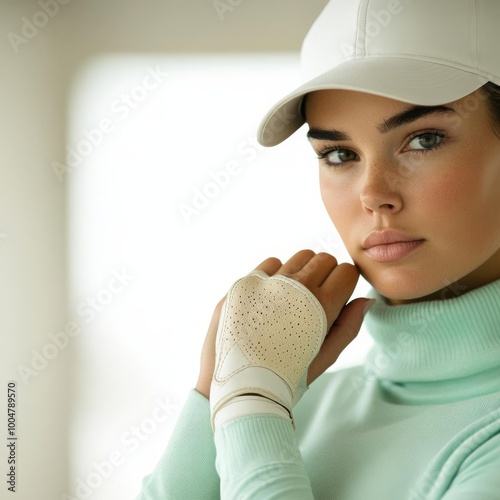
x=354 y=29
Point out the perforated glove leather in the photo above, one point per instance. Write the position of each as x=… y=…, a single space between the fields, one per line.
x=270 y=330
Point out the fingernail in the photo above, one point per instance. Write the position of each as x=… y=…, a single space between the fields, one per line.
x=368 y=305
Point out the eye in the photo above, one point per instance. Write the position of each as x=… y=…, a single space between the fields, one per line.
x=337 y=156
x=426 y=141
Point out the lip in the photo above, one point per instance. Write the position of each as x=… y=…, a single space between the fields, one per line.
x=390 y=245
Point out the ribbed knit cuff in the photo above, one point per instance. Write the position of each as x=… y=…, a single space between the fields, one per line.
x=256 y=441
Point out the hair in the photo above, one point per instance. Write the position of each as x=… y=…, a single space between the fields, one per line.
x=493 y=99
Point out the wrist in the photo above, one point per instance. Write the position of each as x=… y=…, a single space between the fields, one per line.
x=249 y=384
x=203 y=386
x=246 y=405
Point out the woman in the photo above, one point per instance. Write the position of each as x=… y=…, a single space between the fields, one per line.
x=403 y=108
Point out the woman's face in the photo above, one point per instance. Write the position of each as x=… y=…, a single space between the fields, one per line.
x=414 y=192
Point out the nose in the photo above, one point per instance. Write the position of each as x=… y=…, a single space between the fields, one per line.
x=380 y=190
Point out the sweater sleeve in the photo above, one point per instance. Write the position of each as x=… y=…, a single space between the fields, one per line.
x=187 y=468
x=479 y=476
x=258 y=457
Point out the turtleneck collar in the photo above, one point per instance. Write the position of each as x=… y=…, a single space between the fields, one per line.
x=435 y=340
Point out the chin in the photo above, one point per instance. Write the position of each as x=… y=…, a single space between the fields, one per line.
x=408 y=296
x=402 y=295
x=401 y=286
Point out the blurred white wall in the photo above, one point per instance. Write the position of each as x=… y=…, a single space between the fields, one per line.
x=45 y=45
x=170 y=200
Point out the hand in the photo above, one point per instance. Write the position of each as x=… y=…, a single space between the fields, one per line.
x=331 y=284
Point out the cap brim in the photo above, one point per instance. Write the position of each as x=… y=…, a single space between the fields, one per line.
x=417 y=82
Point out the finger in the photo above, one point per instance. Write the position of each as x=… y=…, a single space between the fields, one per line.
x=270 y=266
x=207 y=359
x=342 y=333
x=316 y=270
x=295 y=263
x=336 y=290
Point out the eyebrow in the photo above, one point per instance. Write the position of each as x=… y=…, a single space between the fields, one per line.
x=407 y=116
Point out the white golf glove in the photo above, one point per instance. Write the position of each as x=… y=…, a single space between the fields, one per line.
x=270 y=330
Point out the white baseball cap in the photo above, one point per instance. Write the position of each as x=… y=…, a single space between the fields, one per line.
x=424 y=52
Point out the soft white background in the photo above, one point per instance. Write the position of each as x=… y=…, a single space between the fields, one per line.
x=62 y=240
x=125 y=201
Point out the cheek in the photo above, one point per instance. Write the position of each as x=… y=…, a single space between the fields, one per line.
x=341 y=203
x=463 y=199
x=439 y=196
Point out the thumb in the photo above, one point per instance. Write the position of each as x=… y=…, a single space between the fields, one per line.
x=343 y=331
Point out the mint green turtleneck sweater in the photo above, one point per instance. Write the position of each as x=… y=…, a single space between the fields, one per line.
x=420 y=420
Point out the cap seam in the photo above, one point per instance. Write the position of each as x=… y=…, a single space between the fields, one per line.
x=474 y=19
x=360 y=37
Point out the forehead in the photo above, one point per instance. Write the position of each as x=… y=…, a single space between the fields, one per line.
x=339 y=99
x=337 y=107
